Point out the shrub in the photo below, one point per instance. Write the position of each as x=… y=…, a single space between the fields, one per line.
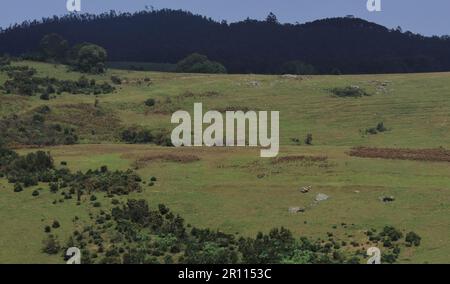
x=392 y=233
x=35 y=193
x=89 y=58
x=197 y=63
x=55 y=224
x=308 y=139
x=45 y=97
x=150 y=102
x=413 y=239
x=116 y=80
x=18 y=187
x=375 y=130
x=350 y=91
x=53 y=187
x=47 y=229
x=51 y=245
x=97 y=204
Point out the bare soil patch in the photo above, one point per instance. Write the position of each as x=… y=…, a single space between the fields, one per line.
x=435 y=155
x=291 y=159
x=182 y=159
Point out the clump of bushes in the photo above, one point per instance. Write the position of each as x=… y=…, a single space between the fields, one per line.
x=150 y=102
x=412 y=239
x=51 y=245
x=349 y=92
x=33 y=129
x=197 y=63
x=116 y=80
x=55 y=224
x=378 y=129
x=137 y=135
x=22 y=81
x=309 y=139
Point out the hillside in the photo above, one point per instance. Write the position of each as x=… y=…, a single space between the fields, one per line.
x=242 y=192
x=346 y=45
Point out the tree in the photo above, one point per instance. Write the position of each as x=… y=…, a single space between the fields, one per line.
x=413 y=239
x=197 y=63
x=54 y=47
x=272 y=19
x=88 y=58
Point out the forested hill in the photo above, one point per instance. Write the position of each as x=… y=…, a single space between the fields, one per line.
x=346 y=45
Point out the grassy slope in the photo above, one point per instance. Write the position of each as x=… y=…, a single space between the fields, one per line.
x=231 y=197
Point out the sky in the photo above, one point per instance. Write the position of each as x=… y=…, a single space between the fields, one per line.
x=427 y=17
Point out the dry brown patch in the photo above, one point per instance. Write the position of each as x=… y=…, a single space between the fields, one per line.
x=435 y=155
x=182 y=159
x=291 y=159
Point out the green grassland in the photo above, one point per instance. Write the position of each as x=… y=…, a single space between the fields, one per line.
x=235 y=190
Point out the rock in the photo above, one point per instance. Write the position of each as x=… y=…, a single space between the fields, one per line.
x=294 y=210
x=321 y=197
x=253 y=83
x=305 y=189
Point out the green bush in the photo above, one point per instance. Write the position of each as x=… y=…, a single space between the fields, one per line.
x=51 y=245
x=55 y=224
x=197 y=63
x=413 y=239
x=88 y=58
x=350 y=92
x=18 y=187
x=150 y=102
x=116 y=80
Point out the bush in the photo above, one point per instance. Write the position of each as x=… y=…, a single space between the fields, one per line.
x=45 y=97
x=308 y=139
x=18 y=187
x=51 y=245
x=413 y=239
x=116 y=80
x=197 y=63
x=55 y=224
x=53 y=187
x=89 y=58
x=375 y=130
x=350 y=91
x=391 y=233
x=150 y=102
x=35 y=193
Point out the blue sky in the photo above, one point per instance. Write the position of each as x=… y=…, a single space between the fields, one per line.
x=428 y=17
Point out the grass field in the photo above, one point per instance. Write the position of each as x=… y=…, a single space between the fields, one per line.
x=234 y=189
